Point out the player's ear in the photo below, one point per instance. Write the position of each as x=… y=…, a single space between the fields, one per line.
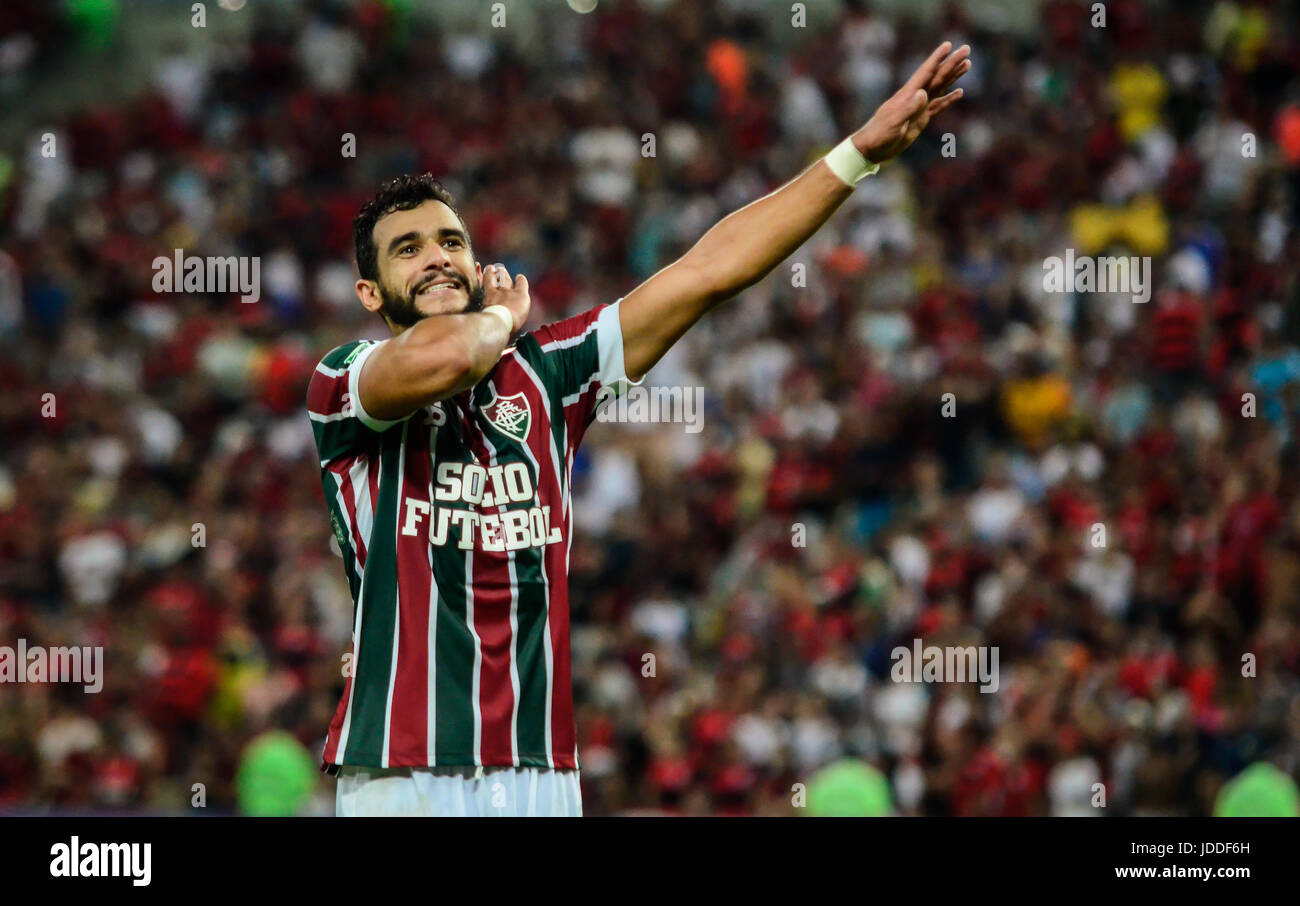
x=368 y=293
x=478 y=269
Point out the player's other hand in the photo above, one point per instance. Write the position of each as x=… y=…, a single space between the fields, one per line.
x=897 y=122
x=500 y=289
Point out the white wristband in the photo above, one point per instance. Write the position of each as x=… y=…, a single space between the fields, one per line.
x=848 y=164
x=504 y=314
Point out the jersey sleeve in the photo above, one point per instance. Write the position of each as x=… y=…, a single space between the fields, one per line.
x=580 y=360
x=339 y=422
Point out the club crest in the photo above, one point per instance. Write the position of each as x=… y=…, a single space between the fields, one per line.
x=510 y=415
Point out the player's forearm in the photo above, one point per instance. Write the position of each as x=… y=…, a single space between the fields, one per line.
x=484 y=338
x=747 y=244
x=434 y=359
x=454 y=352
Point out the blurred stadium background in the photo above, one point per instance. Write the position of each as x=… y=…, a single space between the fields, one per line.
x=1120 y=665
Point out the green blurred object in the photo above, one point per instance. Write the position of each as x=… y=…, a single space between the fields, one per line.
x=849 y=789
x=276 y=776
x=1260 y=791
x=93 y=21
x=401 y=13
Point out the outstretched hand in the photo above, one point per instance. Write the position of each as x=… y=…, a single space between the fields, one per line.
x=898 y=121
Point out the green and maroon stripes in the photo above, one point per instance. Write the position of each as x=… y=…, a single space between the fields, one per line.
x=409 y=709
x=532 y=661
x=337 y=432
x=455 y=651
x=494 y=620
x=364 y=730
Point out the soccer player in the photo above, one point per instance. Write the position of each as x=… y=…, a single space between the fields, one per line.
x=446 y=454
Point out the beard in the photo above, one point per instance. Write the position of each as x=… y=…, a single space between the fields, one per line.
x=401 y=308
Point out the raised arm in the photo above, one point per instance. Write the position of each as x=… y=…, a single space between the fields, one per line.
x=745 y=245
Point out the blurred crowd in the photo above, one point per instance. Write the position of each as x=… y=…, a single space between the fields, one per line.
x=1108 y=495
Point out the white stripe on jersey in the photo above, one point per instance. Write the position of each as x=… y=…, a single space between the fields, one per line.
x=347 y=519
x=476 y=706
x=341 y=754
x=431 y=664
x=574 y=397
x=360 y=475
x=514 y=615
x=569 y=341
x=397 y=608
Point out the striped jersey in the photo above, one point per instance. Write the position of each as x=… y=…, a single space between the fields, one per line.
x=455 y=527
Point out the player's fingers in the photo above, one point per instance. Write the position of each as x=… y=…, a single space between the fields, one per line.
x=901 y=108
x=949 y=68
x=958 y=73
x=521 y=283
x=943 y=103
x=925 y=72
x=916 y=103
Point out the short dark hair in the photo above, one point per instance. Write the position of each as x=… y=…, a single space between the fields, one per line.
x=400 y=194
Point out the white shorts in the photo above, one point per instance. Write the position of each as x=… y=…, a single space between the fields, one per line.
x=458 y=792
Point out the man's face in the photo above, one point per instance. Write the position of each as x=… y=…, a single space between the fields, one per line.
x=425 y=266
